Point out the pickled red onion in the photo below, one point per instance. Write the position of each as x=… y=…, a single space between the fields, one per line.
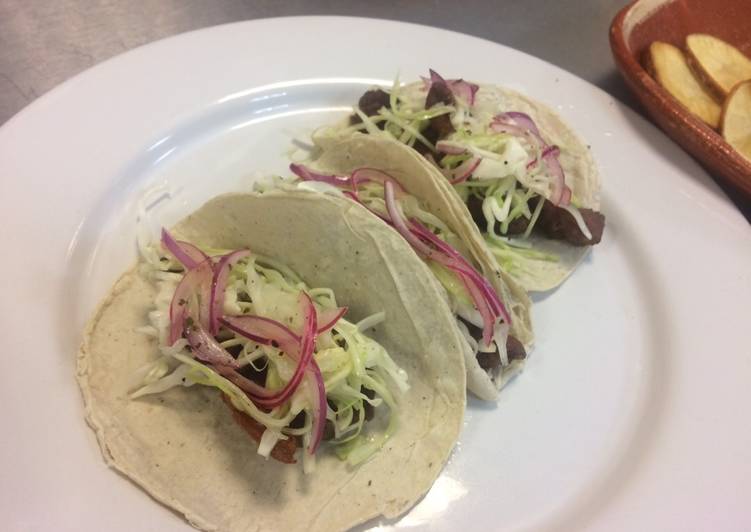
x=194 y=284
x=464 y=171
x=512 y=122
x=186 y=253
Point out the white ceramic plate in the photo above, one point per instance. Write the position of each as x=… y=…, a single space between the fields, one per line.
x=632 y=410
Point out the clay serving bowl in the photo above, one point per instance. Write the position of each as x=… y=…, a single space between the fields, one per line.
x=639 y=24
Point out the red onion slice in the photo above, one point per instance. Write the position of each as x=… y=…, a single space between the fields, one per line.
x=207 y=284
x=313 y=372
x=307 y=174
x=561 y=193
x=219 y=286
x=511 y=122
x=186 y=253
x=319 y=410
x=519 y=124
x=565 y=197
x=482 y=293
x=372 y=175
x=459 y=88
x=262 y=330
x=466 y=269
x=359 y=177
x=464 y=90
x=521 y=119
x=417 y=244
x=255 y=392
x=435 y=77
x=194 y=284
x=265 y=330
x=508 y=128
x=353 y=196
x=329 y=317
x=401 y=226
x=550 y=151
x=488 y=317
x=464 y=171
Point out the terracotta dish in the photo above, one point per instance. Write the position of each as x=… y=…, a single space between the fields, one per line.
x=639 y=24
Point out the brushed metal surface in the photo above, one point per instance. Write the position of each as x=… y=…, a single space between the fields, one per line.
x=45 y=42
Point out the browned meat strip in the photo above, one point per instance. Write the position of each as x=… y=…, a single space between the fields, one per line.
x=370 y=103
x=235 y=350
x=558 y=224
x=489 y=361
x=328 y=431
x=474 y=204
x=439 y=93
x=422 y=149
x=283 y=451
x=554 y=222
x=515 y=349
x=369 y=410
x=440 y=127
x=492 y=360
x=518 y=226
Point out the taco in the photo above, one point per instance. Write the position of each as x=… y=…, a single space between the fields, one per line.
x=297 y=319
x=395 y=184
x=528 y=181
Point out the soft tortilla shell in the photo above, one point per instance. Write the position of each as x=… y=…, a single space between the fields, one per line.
x=413 y=172
x=183 y=447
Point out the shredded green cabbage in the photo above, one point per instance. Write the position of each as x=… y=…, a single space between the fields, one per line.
x=504 y=181
x=350 y=361
x=503 y=155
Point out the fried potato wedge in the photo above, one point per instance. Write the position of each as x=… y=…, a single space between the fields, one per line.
x=720 y=65
x=736 y=119
x=669 y=67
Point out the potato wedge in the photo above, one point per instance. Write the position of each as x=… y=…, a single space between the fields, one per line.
x=670 y=68
x=720 y=65
x=736 y=119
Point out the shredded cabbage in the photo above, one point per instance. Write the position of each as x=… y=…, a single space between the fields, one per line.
x=511 y=172
x=350 y=361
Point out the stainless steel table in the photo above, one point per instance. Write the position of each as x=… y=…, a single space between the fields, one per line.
x=45 y=42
